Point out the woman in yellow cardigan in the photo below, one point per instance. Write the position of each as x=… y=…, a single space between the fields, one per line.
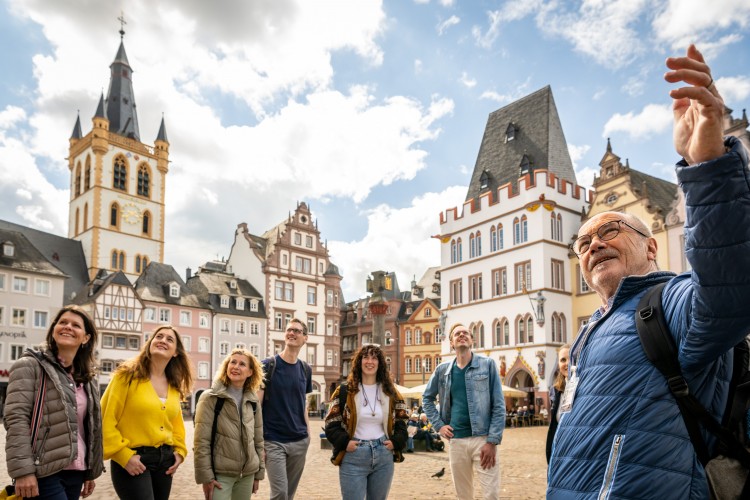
x=142 y=425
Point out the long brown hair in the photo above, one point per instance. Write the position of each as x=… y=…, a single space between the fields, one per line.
x=560 y=378
x=382 y=376
x=84 y=367
x=179 y=370
x=252 y=383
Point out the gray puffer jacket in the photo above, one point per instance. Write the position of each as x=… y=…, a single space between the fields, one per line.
x=238 y=449
x=56 y=444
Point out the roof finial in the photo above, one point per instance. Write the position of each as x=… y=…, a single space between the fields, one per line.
x=122 y=25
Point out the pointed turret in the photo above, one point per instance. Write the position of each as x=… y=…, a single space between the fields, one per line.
x=121 y=109
x=162 y=135
x=100 y=108
x=77 y=133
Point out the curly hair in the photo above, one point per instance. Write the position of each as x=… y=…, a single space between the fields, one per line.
x=383 y=376
x=179 y=370
x=84 y=365
x=252 y=383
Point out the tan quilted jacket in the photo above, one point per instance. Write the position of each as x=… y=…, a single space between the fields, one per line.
x=238 y=449
x=56 y=442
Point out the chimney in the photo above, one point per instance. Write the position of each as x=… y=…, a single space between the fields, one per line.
x=188 y=274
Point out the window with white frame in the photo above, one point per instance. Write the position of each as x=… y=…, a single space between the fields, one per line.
x=240 y=327
x=427 y=312
x=224 y=301
x=20 y=284
x=202 y=370
x=186 y=318
x=408 y=337
x=121 y=342
x=311 y=358
x=254 y=305
x=456 y=292
x=224 y=326
x=279 y=321
x=239 y=345
x=284 y=290
x=133 y=343
x=174 y=290
x=407 y=365
x=297 y=238
x=329 y=298
x=308 y=241
x=149 y=314
x=475 y=287
x=558 y=274
x=583 y=287
x=165 y=315
x=523 y=276
x=2 y=281
x=203 y=320
x=311 y=324
x=418 y=336
x=9 y=249
x=204 y=344
x=417 y=365
x=427 y=364
x=40 y=319
x=41 y=287
x=240 y=303
x=312 y=295
x=18 y=317
x=302 y=265
x=108 y=341
x=187 y=342
x=108 y=366
x=16 y=350
x=255 y=350
x=224 y=349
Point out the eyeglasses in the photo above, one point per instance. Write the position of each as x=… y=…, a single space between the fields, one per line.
x=605 y=232
x=295 y=331
x=465 y=333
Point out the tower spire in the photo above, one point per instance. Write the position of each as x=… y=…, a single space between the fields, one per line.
x=121 y=109
x=122 y=25
x=77 y=133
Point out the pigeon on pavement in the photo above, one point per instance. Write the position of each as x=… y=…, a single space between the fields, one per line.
x=439 y=473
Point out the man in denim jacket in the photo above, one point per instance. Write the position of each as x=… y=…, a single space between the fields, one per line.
x=471 y=416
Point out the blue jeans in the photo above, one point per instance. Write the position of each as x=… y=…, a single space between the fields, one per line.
x=63 y=485
x=154 y=483
x=367 y=472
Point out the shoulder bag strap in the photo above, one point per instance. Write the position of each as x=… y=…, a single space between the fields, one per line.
x=217 y=409
x=38 y=410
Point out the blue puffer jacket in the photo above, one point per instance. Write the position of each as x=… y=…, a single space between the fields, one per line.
x=625 y=436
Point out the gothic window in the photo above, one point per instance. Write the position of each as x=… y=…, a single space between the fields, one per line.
x=138 y=264
x=77 y=216
x=484 y=180
x=113 y=263
x=530 y=329
x=472 y=246
x=516 y=231
x=87 y=175
x=459 y=250
x=85 y=216
x=499 y=236
x=454 y=255
x=147 y=223
x=493 y=239
x=478 y=239
x=524 y=230
x=114 y=215
x=510 y=132
x=521 y=330
x=120 y=174
x=122 y=261
x=144 y=186
x=78 y=180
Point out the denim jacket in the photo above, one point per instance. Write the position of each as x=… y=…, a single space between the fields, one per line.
x=484 y=394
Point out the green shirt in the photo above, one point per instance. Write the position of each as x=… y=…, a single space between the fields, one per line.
x=460 y=420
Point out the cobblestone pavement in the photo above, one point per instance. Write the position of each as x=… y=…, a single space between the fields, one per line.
x=522 y=462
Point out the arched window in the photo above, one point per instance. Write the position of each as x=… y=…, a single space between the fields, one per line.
x=144 y=184
x=524 y=229
x=530 y=329
x=144 y=262
x=454 y=254
x=147 y=223
x=114 y=215
x=516 y=231
x=498 y=337
x=87 y=175
x=553 y=226
x=559 y=227
x=113 y=263
x=138 y=264
x=493 y=239
x=479 y=243
x=76 y=225
x=506 y=332
x=554 y=328
x=472 y=246
x=521 y=330
x=85 y=216
x=78 y=180
x=499 y=236
x=480 y=335
x=122 y=261
x=459 y=250
x=120 y=174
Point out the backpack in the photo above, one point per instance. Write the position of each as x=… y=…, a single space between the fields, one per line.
x=727 y=470
x=270 y=364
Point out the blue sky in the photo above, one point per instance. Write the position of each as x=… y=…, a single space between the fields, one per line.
x=370 y=111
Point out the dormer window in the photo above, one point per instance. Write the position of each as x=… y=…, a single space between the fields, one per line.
x=224 y=301
x=9 y=249
x=510 y=132
x=174 y=290
x=240 y=303
x=233 y=284
x=484 y=180
x=253 y=305
x=525 y=164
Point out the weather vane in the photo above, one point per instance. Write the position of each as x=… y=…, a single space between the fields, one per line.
x=122 y=24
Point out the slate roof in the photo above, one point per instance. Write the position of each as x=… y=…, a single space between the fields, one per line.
x=210 y=286
x=99 y=284
x=64 y=253
x=538 y=136
x=659 y=192
x=153 y=285
x=121 y=111
x=26 y=256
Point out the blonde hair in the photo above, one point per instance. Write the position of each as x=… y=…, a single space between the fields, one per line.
x=252 y=383
x=560 y=378
x=456 y=327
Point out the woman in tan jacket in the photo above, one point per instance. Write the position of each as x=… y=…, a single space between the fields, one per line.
x=229 y=464
x=369 y=433
x=67 y=454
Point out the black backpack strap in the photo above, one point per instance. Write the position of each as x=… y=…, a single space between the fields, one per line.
x=217 y=410
x=343 y=388
x=270 y=369
x=660 y=349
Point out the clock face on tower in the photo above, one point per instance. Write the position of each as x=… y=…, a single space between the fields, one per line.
x=131 y=213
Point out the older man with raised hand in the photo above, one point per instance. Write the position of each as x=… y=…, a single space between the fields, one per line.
x=471 y=415
x=621 y=434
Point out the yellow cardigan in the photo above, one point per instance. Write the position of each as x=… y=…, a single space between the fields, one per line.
x=134 y=416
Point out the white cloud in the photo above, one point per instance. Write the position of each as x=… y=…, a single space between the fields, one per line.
x=411 y=253
x=577 y=152
x=733 y=88
x=10 y=116
x=466 y=81
x=418 y=65
x=634 y=86
x=511 y=11
x=681 y=22
x=653 y=119
x=443 y=26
